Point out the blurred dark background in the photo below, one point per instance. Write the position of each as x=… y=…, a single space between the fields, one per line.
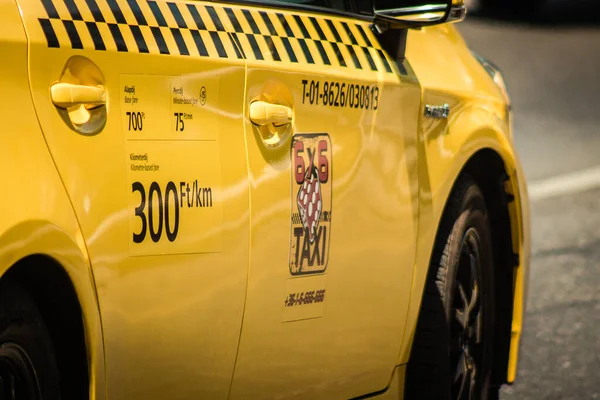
x=549 y=53
x=538 y=11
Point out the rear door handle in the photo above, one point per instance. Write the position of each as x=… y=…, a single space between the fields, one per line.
x=67 y=95
x=263 y=113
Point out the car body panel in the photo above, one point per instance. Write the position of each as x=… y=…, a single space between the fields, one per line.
x=171 y=307
x=367 y=233
x=37 y=216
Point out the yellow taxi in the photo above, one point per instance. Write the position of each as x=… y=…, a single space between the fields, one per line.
x=255 y=199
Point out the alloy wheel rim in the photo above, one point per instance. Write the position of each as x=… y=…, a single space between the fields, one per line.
x=466 y=328
x=18 y=378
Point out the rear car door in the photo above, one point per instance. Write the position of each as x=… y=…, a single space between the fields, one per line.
x=331 y=135
x=141 y=106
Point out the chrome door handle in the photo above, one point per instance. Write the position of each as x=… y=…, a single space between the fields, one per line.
x=67 y=95
x=263 y=113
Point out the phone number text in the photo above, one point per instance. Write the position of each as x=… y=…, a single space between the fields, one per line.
x=310 y=297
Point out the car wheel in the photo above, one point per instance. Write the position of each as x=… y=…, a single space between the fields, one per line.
x=452 y=351
x=28 y=368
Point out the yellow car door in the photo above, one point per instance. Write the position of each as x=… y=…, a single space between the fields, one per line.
x=141 y=105
x=331 y=135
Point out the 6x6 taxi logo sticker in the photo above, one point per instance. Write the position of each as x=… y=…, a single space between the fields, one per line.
x=311 y=203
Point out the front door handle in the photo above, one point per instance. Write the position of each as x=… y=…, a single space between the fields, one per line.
x=263 y=113
x=68 y=95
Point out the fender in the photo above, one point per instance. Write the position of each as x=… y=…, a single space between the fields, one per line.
x=445 y=148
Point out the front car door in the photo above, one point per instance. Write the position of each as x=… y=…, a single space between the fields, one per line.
x=331 y=136
x=141 y=105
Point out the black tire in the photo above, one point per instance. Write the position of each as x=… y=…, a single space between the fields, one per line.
x=28 y=369
x=462 y=257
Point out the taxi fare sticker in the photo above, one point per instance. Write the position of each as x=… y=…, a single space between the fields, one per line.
x=311 y=203
x=173 y=164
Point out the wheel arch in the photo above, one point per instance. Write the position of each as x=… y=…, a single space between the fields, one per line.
x=485 y=153
x=488 y=170
x=50 y=264
x=55 y=297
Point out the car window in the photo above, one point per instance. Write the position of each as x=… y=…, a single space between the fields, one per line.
x=344 y=6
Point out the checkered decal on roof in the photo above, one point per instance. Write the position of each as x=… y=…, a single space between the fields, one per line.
x=211 y=30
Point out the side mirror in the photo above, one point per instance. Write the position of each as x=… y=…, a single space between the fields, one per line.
x=416 y=13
